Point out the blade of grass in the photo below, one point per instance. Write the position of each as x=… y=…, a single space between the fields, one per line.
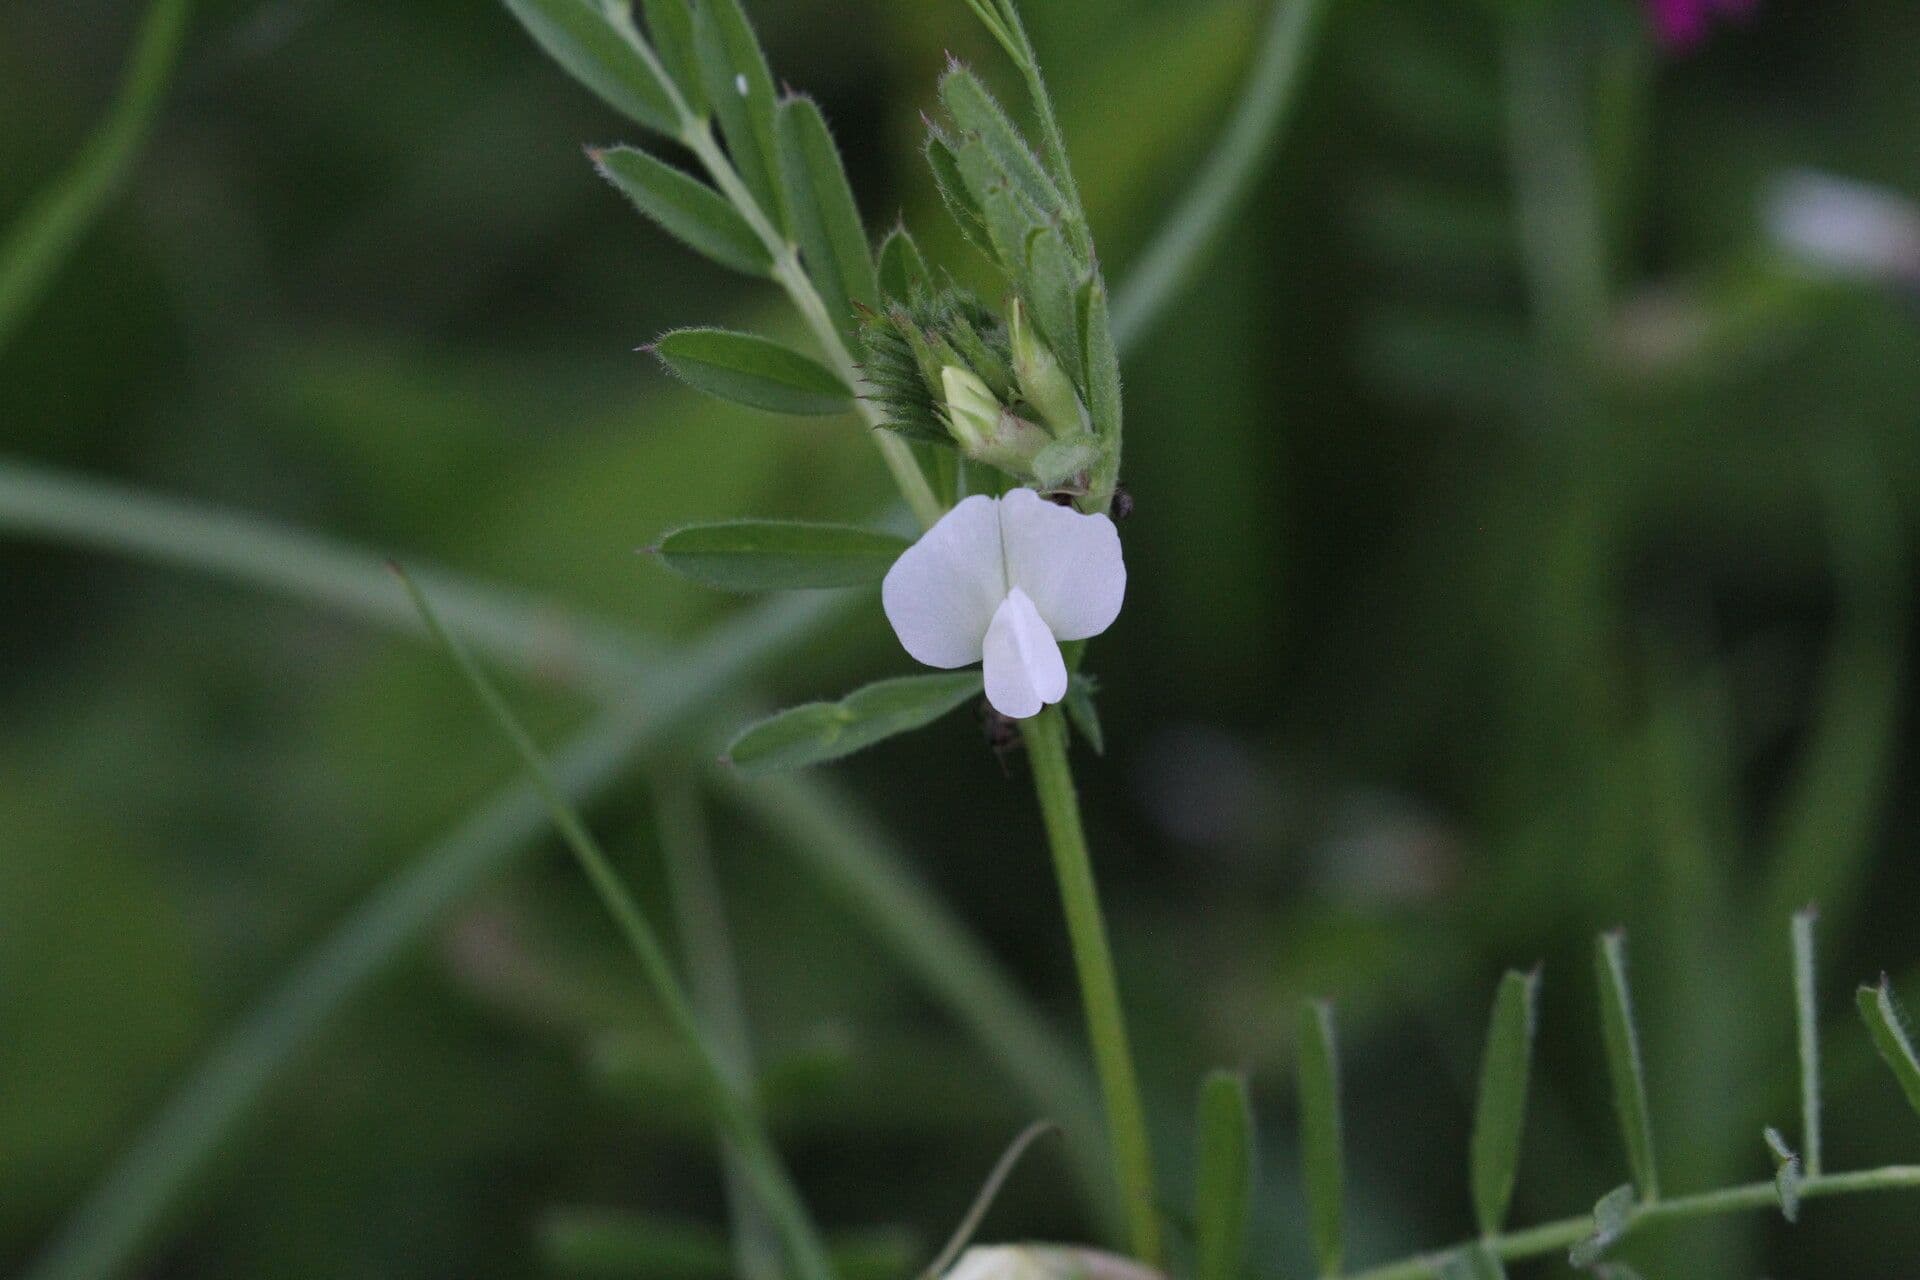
x=857 y=862
x=57 y=506
x=1807 y=1024
x=700 y=919
x=651 y=696
x=1180 y=248
x=745 y=1136
x=1321 y=1154
x=113 y=1226
x=989 y=1191
x=1223 y=1182
x=1500 y=1119
x=1624 y=1066
x=47 y=230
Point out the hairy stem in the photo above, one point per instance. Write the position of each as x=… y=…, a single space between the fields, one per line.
x=791 y=275
x=1046 y=739
x=1556 y=1237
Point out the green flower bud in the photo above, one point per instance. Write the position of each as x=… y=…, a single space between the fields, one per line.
x=986 y=430
x=1041 y=378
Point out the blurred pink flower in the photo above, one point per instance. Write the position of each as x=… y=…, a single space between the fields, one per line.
x=1682 y=24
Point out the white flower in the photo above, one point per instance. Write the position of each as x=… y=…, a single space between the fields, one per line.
x=1004 y=580
x=1843 y=227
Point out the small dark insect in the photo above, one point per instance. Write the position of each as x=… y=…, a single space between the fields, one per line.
x=1001 y=732
x=1122 y=502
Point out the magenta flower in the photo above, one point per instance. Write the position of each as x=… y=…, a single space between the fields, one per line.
x=1682 y=24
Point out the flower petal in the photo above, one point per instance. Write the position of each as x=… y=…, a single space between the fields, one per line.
x=1024 y=670
x=1067 y=562
x=940 y=595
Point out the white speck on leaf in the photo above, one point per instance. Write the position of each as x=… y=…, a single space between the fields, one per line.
x=740 y=83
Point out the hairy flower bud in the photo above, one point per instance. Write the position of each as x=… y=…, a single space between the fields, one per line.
x=986 y=430
x=1041 y=378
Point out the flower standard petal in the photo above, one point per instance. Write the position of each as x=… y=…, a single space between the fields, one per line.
x=1024 y=670
x=1067 y=562
x=940 y=595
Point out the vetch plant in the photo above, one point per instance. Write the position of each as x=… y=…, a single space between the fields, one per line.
x=1002 y=428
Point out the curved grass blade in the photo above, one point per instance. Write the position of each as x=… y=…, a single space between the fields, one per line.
x=753 y=371
x=779 y=555
x=1180 y=248
x=989 y=1192
x=742 y=1128
x=818 y=732
x=1624 y=1066
x=826 y=221
x=620 y=69
x=1322 y=1157
x=685 y=208
x=1223 y=1182
x=1892 y=1036
x=1807 y=1026
x=47 y=230
x=1500 y=1119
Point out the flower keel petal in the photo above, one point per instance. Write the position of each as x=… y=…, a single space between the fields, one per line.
x=1024 y=670
x=941 y=594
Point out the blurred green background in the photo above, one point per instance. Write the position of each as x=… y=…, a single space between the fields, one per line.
x=1522 y=548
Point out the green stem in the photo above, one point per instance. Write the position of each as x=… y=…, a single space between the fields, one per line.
x=1046 y=740
x=1555 y=1237
x=697 y=134
x=745 y=1137
x=45 y=233
x=1243 y=153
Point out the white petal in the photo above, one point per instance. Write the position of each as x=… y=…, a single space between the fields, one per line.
x=1024 y=669
x=940 y=595
x=1066 y=561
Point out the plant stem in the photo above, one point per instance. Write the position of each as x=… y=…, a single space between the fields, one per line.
x=1552 y=1237
x=1046 y=739
x=1166 y=267
x=47 y=230
x=745 y=1136
x=791 y=275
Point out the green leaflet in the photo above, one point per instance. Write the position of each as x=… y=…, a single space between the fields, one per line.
x=670 y=23
x=1321 y=1157
x=826 y=221
x=579 y=36
x=1612 y=1218
x=739 y=88
x=1887 y=1024
x=1787 y=1177
x=978 y=116
x=686 y=208
x=964 y=209
x=902 y=268
x=1500 y=1119
x=1624 y=1065
x=1084 y=712
x=774 y=555
x=754 y=371
x=821 y=731
x=1223 y=1183
x=1051 y=286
